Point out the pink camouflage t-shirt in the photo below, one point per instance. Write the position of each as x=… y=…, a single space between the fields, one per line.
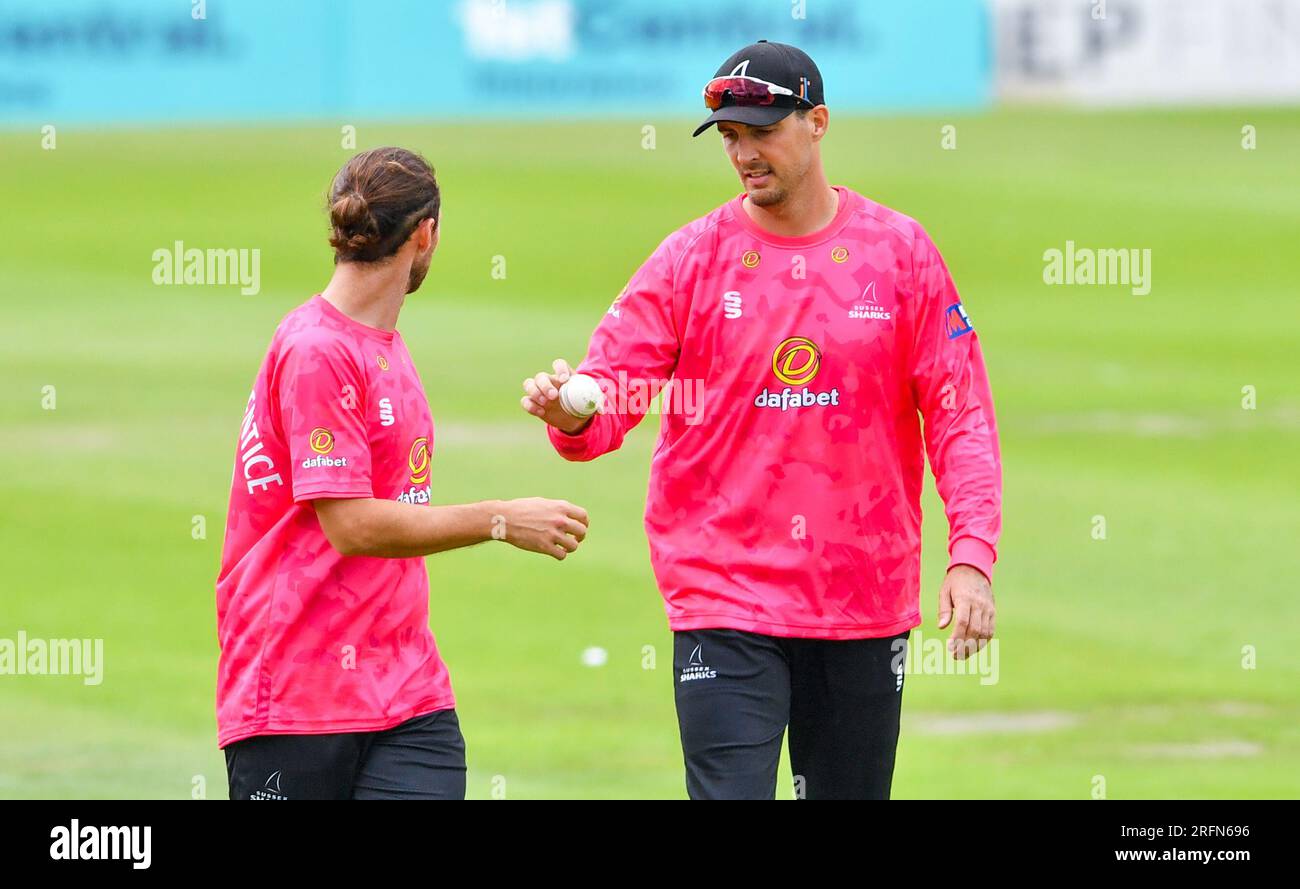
x=313 y=641
x=785 y=489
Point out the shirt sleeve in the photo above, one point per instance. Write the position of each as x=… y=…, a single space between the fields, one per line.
x=951 y=388
x=633 y=350
x=321 y=390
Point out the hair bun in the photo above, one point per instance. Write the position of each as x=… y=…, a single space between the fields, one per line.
x=376 y=201
x=354 y=225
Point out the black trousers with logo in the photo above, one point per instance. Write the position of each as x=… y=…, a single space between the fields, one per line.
x=737 y=692
x=423 y=758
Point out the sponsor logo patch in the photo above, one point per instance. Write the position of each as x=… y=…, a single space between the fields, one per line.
x=322 y=440
x=419 y=461
x=958 y=321
x=795 y=362
x=323 y=461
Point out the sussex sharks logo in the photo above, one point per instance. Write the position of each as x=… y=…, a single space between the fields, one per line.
x=696 y=668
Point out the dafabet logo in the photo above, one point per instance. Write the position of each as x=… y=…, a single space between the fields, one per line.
x=322 y=440
x=795 y=362
x=419 y=491
x=419 y=461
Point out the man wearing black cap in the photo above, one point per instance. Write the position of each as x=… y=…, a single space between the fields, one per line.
x=807 y=331
x=799 y=196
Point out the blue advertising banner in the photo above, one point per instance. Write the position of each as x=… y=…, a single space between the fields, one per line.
x=114 y=61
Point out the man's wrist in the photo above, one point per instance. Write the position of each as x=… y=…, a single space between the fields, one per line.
x=974 y=553
x=581 y=427
x=494 y=515
x=955 y=565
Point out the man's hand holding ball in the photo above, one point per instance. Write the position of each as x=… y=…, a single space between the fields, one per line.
x=563 y=399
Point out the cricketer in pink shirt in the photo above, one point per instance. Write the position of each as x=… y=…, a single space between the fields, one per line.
x=785 y=488
x=313 y=641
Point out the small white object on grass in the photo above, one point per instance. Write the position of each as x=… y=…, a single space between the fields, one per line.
x=581 y=396
x=594 y=657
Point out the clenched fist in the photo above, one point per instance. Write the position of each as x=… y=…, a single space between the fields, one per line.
x=551 y=527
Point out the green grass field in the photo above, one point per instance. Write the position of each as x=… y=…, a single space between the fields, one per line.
x=1119 y=658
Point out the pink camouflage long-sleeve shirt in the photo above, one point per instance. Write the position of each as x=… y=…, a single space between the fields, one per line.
x=785 y=489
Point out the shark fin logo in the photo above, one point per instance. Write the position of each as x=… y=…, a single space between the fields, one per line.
x=271 y=789
x=696 y=668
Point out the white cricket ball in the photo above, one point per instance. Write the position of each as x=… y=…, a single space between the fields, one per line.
x=594 y=657
x=581 y=396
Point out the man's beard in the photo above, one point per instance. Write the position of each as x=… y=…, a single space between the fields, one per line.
x=772 y=194
x=768 y=197
x=789 y=182
x=418 y=271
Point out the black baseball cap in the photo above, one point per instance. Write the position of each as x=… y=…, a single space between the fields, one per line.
x=779 y=63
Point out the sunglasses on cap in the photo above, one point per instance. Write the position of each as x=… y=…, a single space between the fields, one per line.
x=743 y=90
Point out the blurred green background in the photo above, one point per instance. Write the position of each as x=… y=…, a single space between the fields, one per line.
x=1120 y=658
